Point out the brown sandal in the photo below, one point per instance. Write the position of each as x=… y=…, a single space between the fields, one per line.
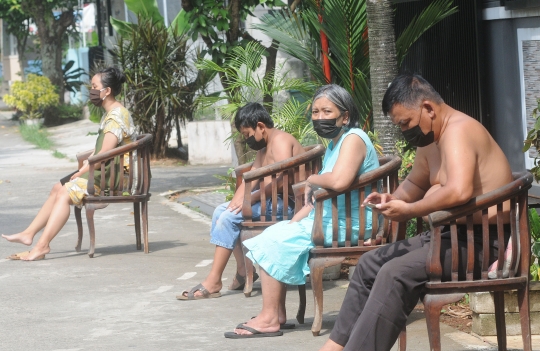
x=240 y=281
x=191 y=294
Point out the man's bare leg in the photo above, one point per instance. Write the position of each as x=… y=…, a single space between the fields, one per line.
x=40 y=221
x=331 y=346
x=57 y=219
x=268 y=320
x=212 y=282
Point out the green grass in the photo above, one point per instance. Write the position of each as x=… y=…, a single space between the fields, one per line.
x=36 y=136
x=58 y=154
x=40 y=138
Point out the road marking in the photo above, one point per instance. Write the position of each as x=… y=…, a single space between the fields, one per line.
x=64 y=235
x=187 y=275
x=160 y=290
x=204 y=263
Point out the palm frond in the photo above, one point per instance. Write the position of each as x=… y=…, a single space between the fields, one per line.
x=431 y=15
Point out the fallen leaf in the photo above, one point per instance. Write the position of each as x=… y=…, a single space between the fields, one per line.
x=8 y=181
x=131 y=224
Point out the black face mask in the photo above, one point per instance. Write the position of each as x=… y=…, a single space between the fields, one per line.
x=254 y=144
x=416 y=138
x=326 y=128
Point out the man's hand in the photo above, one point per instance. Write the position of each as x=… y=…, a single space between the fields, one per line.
x=395 y=210
x=376 y=198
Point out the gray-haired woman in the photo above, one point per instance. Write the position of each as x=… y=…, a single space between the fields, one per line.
x=282 y=250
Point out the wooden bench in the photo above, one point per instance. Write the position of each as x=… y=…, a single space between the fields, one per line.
x=385 y=179
x=133 y=187
x=441 y=292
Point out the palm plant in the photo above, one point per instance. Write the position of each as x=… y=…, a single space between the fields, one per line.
x=345 y=24
x=160 y=85
x=243 y=84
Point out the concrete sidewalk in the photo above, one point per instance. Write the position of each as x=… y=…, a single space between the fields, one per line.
x=124 y=299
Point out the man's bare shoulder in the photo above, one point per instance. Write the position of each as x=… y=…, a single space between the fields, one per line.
x=462 y=127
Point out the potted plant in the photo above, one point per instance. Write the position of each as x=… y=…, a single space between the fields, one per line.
x=31 y=97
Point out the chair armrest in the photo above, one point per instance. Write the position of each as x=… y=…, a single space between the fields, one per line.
x=82 y=156
x=299 y=189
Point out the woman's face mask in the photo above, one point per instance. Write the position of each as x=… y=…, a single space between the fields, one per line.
x=325 y=115
x=95 y=98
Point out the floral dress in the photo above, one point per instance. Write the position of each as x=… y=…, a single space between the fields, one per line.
x=119 y=122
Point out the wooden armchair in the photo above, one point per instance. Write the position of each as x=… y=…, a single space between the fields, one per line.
x=293 y=170
x=441 y=292
x=133 y=187
x=385 y=179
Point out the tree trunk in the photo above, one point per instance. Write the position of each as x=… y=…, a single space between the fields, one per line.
x=160 y=141
x=51 y=30
x=383 y=68
x=51 y=63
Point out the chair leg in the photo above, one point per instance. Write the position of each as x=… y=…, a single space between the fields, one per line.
x=316 y=267
x=525 y=318
x=137 y=218
x=145 y=225
x=402 y=340
x=78 y=219
x=91 y=229
x=302 y=306
x=248 y=286
x=432 y=310
x=500 y=323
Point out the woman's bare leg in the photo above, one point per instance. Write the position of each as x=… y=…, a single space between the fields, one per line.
x=268 y=320
x=282 y=311
x=40 y=221
x=57 y=219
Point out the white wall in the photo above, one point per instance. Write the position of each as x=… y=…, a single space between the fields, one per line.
x=207 y=145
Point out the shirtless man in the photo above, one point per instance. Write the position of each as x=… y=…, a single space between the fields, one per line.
x=456 y=160
x=272 y=145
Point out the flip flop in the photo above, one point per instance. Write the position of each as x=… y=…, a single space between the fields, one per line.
x=255 y=333
x=241 y=280
x=284 y=326
x=191 y=294
x=20 y=255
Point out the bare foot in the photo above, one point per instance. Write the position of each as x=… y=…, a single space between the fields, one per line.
x=264 y=325
x=21 y=238
x=36 y=253
x=331 y=346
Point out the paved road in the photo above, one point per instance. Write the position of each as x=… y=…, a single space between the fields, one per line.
x=123 y=299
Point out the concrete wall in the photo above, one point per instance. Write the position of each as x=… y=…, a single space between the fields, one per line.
x=207 y=143
x=500 y=60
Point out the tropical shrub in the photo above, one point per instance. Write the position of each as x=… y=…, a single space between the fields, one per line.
x=533 y=139
x=161 y=85
x=32 y=96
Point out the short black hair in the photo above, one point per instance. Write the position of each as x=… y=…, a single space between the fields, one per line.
x=250 y=114
x=342 y=99
x=409 y=90
x=112 y=77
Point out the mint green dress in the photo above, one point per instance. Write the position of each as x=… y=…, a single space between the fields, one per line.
x=282 y=250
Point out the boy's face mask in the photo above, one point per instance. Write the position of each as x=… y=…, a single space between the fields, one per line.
x=255 y=144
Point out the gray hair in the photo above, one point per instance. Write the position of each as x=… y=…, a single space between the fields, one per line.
x=342 y=99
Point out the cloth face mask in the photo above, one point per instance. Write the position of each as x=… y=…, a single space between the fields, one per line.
x=94 y=97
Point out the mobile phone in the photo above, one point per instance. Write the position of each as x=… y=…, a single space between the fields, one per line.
x=371 y=205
